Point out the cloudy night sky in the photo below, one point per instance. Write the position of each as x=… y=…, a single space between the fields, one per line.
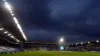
x=76 y=20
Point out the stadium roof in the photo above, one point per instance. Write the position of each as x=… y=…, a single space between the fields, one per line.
x=9 y=24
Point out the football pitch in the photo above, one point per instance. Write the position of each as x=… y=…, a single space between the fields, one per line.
x=53 y=54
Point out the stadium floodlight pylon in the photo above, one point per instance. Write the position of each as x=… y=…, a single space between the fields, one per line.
x=61 y=43
x=7 y=5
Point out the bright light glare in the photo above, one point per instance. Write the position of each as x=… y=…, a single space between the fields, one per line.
x=14 y=18
x=9 y=34
x=61 y=39
x=24 y=35
x=6 y=3
x=5 y=32
x=16 y=21
x=8 y=6
x=1 y=28
x=12 y=36
x=97 y=41
x=61 y=48
x=12 y=14
x=18 y=25
x=88 y=42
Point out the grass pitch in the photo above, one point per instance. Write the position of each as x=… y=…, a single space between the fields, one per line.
x=54 y=54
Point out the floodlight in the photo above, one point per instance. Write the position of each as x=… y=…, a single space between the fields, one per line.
x=8 y=6
x=12 y=36
x=12 y=14
x=5 y=32
x=97 y=41
x=61 y=48
x=16 y=21
x=88 y=42
x=61 y=40
x=9 y=34
x=1 y=28
x=14 y=18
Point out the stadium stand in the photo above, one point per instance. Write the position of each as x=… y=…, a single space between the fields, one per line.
x=40 y=46
x=52 y=46
x=89 y=46
x=4 y=49
x=11 y=37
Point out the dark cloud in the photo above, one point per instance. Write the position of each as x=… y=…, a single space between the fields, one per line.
x=77 y=20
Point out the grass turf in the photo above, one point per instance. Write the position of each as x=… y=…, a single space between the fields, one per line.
x=54 y=54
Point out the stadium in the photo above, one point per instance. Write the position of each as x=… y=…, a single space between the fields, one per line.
x=13 y=41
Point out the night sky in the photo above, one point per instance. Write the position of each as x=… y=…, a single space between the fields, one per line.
x=76 y=20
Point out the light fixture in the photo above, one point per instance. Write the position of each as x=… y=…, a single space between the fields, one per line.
x=12 y=36
x=5 y=32
x=88 y=42
x=1 y=28
x=8 y=6
x=14 y=18
x=61 y=40
x=9 y=34
x=16 y=21
x=12 y=14
x=97 y=41
x=62 y=48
